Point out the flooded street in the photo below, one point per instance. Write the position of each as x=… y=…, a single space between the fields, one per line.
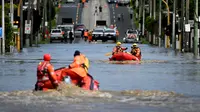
x=160 y=70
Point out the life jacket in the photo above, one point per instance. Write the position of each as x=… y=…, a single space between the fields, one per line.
x=86 y=33
x=135 y=50
x=86 y=64
x=119 y=49
x=42 y=72
x=94 y=84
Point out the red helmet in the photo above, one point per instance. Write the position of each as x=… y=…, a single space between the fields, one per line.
x=47 y=57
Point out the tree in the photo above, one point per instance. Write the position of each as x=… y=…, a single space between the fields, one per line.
x=8 y=27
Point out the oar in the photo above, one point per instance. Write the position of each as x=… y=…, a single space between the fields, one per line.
x=108 y=54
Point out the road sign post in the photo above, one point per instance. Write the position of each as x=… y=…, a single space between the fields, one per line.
x=1 y=39
x=0 y=32
x=27 y=29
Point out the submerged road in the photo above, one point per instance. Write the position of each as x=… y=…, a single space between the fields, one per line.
x=160 y=70
x=70 y=10
x=121 y=25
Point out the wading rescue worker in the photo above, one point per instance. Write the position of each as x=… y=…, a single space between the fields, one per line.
x=135 y=50
x=86 y=34
x=78 y=71
x=118 y=48
x=46 y=77
x=71 y=36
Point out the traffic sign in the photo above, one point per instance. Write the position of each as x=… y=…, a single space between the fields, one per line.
x=1 y=32
x=27 y=27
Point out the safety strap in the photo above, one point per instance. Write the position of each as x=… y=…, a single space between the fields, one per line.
x=92 y=82
x=84 y=66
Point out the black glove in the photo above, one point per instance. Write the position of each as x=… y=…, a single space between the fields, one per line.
x=69 y=66
x=126 y=48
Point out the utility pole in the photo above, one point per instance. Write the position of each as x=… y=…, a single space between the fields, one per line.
x=187 y=36
x=28 y=22
x=44 y=18
x=46 y=23
x=173 y=26
x=21 y=25
x=196 y=31
x=50 y=4
x=183 y=25
x=140 y=13
x=154 y=17
x=150 y=8
x=32 y=8
x=150 y=14
x=160 y=22
x=3 y=28
x=143 y=16
x=11 y=12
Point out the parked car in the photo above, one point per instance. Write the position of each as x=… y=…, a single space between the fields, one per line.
x=79 y=27
x=98 y=34
x=112 y=1
x=110 y=34
x=123 y=2
x=66 y=29
x=78 y=33
x=70 y=1
x=56 y=34
x=131 y=36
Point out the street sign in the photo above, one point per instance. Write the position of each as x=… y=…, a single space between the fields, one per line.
x=27 y=29
x=0 y=32
x=187 y=27
x=191 y=22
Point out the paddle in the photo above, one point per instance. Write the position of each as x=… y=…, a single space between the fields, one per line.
x=108 y=54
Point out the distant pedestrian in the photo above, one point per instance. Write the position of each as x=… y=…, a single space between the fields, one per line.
x=82 y=34
x=122 y=16
x=83 y=3
x=71 y=36
x=100 y=8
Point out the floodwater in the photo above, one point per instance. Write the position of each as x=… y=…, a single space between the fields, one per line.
x=164 y=81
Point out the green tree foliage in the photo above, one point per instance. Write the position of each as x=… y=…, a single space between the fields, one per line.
x=149 y=23
x=53 y=12
x=8 y=27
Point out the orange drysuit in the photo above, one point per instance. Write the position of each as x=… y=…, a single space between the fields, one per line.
x=136 y=52
x=83 y=1
x=118 y=49
x=90 y=37
x=46 y=77
x=77 y=72
x=117 y=33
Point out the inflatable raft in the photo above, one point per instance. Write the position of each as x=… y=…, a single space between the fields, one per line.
x=94 y=84
x=123 y=56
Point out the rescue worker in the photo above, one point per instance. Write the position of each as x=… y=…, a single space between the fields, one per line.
x=122 y=16
x=119 y=17
x=86 y=35
x=90 y=36
x=78 y=71
x=135 y=50
x=117 y=33
x=71 y=36
x=83 y=3
x=46 y=77
x=118 y=48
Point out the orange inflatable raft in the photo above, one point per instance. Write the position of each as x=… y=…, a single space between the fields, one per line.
x=123 y=56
